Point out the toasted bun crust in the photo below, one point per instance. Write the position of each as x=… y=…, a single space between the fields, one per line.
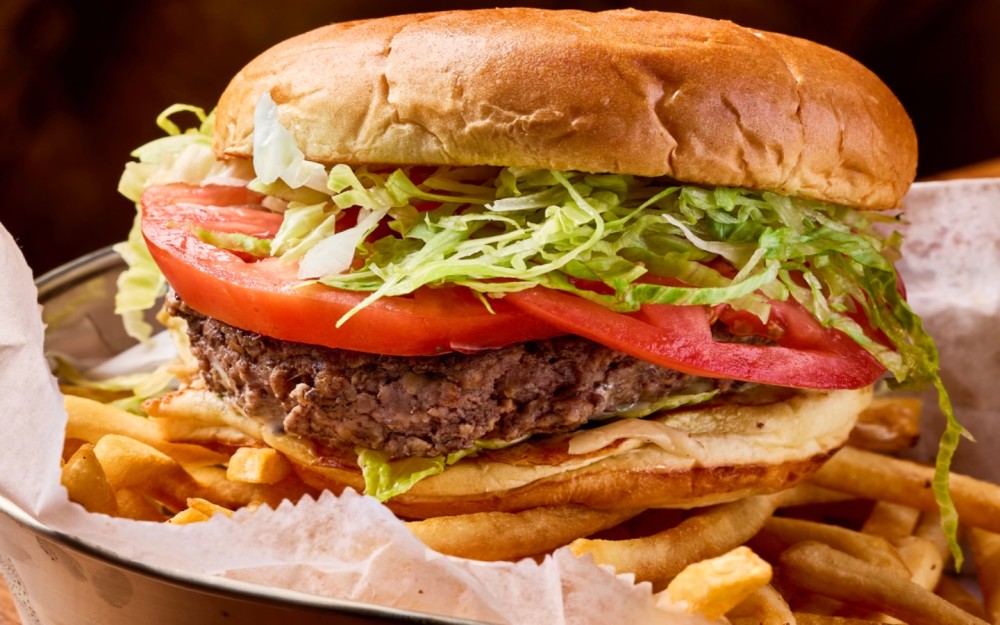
x=688 y=458
x=644 y=93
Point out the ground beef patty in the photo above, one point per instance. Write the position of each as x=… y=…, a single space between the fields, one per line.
x=424 y=406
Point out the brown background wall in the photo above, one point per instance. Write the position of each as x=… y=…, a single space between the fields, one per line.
x=83 y=81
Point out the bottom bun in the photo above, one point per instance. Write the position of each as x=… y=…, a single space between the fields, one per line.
x=686 y=458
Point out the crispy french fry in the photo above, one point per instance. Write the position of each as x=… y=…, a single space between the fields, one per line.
x=133 y=504
x=180 y=431
x=659 y=558
x=818 y=568
x=811 y=603
x=215 y=486
x=199 y=510
x=188 y=516
x=90 y=420
x=258 y=465
x=715 y=586
x=986 y=554
x=929 y=528
x=70 y=445
x=808 y=494
x=891 y=520
x=923 y=559
x=872 y=549
x=507 y=536
x=888 y=424
x=804 y=618
x=183 y=414
x=955 y=592
x=87 y=483
x=874 y=476
x=765 y=606
x=208 y=508
x=132 y=464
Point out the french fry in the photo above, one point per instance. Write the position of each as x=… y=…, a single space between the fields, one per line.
x=87 y=483
x=804 y=618
x=190 y=431
x=198 y=510
x=208 y=508
x=809 y=494
x=659 y=558
x=929 y=528
x=955 y=592
x=183 y=414
x=891 y=520
x=89 y=420
x=132 y=464
x=812 y=603
x=188 y=516
x=888 y=424
x=133 y=504
x=922 y=557
x=217 y=487
x=765 y=606
x=715 y=586
x=821 y=569
x=874 y=476
x=258 y=465
x=507 y=536
x=986 y=554
x=875 y=550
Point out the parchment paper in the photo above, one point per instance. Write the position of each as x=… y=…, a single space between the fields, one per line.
x=951 y=268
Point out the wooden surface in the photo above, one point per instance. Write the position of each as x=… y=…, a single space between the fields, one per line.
x=986 y=169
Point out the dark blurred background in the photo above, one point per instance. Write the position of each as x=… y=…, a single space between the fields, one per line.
x=82 y=83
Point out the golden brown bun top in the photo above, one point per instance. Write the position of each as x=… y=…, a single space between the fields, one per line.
x=645 y=93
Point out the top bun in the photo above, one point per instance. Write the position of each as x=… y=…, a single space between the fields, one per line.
x=645 y=93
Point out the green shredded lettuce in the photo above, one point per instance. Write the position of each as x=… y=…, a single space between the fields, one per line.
x=139 y=286
x=181 y=156
x=139 y=386
x=671 y=402
x=235 y=241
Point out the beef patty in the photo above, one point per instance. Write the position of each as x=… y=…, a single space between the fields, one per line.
x=425 y=405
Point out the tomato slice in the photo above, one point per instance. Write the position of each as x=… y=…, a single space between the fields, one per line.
x=265 y=296
x=680 y=337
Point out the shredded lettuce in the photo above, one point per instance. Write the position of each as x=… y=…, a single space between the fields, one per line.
x=275 y=155
x=671 y=402
x=139 y=286
x=235 y=241
x=181 y=156
x=139 y=386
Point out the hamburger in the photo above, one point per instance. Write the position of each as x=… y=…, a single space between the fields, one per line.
x=501 y=259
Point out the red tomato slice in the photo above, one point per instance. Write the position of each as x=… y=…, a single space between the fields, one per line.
x=680 y=337
x=263 y=296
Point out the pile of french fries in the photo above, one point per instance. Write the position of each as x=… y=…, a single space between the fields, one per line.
x=860 y=542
